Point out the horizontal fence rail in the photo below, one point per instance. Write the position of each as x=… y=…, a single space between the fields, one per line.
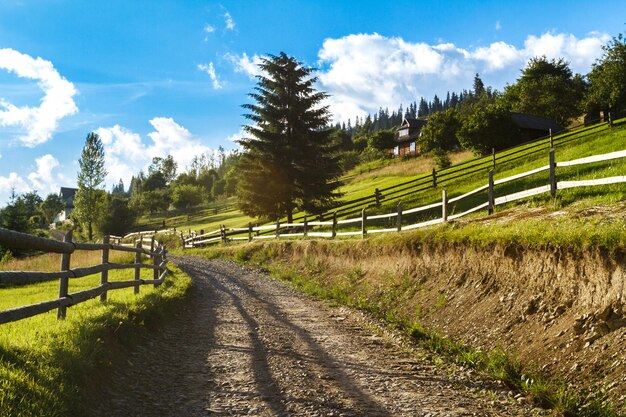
x=312 y=228
x=11 y=239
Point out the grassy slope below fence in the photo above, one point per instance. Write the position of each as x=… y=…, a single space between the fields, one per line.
x=46 y=365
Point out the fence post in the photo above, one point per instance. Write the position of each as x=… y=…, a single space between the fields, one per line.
x=364 y=223
x=434 y=178
x=493 y=157
x=399 y=217
x=610 y=120
x=377 y=197
x=64 y=283
x=306 y=224
x=490 y=197
x=223 y=233
x=551 y=139
x=444 y=205
x=152 y=243
x=552 y=174
x=182 y=238
x=249 y=231
x=156 y=261
x=137 y=267
x=334 y=231
x=104 y=277
x=277 y=227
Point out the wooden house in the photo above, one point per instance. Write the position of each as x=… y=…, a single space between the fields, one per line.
x=406 y=137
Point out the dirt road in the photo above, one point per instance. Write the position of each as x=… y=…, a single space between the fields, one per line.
x=249 y=345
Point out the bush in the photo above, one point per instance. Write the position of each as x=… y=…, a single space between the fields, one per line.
x=185 y=196
x=442 y=160
x=118 y=218
x=486 y=127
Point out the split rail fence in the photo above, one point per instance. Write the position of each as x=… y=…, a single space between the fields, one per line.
x=307 y=228
x=8 y=238
x=467 y=168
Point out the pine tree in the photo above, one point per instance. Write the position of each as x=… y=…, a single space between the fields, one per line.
x=479 y=86
x=423 y=108
x=289 y=162
x=90 y=197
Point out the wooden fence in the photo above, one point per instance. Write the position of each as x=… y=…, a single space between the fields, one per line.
x=12 y=239
x=473 y=166
x=307 y=228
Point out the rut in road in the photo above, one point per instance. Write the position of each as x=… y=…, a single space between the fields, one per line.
x=249 y=345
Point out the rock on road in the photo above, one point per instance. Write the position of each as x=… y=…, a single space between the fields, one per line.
x=246 y=344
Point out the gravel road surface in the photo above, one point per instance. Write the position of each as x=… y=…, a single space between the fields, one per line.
x=246 y=344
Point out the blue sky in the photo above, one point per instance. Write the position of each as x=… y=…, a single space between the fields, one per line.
x=158 y=77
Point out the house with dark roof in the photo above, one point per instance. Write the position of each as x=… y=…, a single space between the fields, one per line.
x=530 y=127
x=534 y=127
x=67 y=196
x=406 y=137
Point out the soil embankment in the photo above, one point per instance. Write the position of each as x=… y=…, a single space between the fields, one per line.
x=562 y=312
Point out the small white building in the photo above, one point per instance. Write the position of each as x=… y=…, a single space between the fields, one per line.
x=67 y=196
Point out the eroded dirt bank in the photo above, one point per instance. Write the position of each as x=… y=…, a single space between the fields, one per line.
x=561 y=312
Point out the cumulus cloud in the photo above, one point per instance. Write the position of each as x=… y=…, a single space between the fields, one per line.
x=126 y=152
x=228 y=20
x=39 y=123
x=209 y=28
x=363 y=72
x=43 y=179
x=210 y=70
x=13 y=182
x=246 y=65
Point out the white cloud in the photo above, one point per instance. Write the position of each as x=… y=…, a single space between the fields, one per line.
x=245 y=65
x=228 y=20
x=13 y=181
x=498 y=25
x=363 y=72
x=236 y=137
x=209 y=29
x=40 y=122
x=581 y=53
x=498 y=55
x=210 y=70
x=126 y=153
x=43 y=179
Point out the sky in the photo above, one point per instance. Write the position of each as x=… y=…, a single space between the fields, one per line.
x=159 y=77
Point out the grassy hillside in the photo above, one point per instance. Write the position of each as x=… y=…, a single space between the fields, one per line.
x=364 y=179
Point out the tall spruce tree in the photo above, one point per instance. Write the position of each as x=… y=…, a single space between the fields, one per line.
x=90 y=196
x=289 y=163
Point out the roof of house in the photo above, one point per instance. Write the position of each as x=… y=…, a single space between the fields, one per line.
x=415 y=126
x=413 y=123
x=530 y=121
x=67 y=195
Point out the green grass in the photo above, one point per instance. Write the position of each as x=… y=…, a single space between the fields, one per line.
x=46 y=366
x=364 y=179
